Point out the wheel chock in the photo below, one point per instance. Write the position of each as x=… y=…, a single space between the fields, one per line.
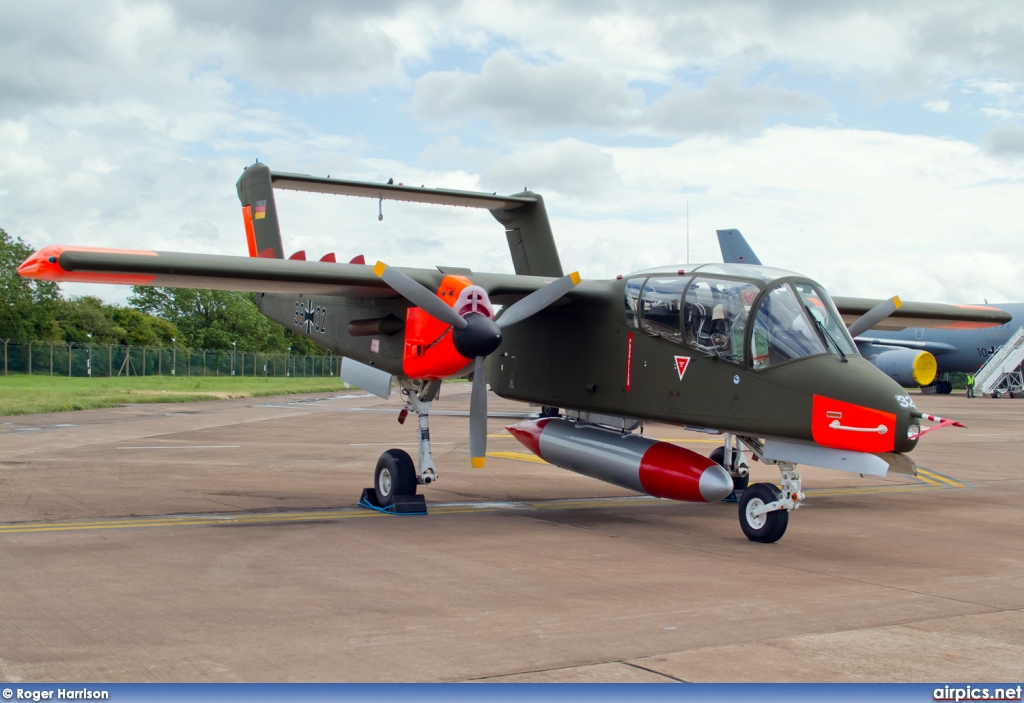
x=403 y=505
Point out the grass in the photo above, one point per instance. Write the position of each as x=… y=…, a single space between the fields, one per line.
x=21 y=394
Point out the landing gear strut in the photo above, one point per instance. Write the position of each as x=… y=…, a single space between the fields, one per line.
x=735 y=463
x=418 y=397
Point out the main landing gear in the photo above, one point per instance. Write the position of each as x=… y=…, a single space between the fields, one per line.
x=395 y=479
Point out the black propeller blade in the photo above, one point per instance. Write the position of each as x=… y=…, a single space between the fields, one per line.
x=475 y=336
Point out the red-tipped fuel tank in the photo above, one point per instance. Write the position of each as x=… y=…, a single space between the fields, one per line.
x=660 y=469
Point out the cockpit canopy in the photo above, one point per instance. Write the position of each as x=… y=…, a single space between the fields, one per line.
x=710 y=307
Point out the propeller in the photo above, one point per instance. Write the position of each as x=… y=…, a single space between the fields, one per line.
x=420 y=295
x=873 y=316
x=475 y=336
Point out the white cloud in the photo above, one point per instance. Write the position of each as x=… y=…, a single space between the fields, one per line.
x=522 y=97
x=126 y=124
x=1005 y=140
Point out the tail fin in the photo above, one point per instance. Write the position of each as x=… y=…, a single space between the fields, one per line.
x=260 y=212
x=735 y=249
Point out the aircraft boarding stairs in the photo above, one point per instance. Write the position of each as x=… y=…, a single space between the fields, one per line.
x=1002 y=372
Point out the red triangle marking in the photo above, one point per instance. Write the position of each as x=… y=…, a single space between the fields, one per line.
x=681 y=363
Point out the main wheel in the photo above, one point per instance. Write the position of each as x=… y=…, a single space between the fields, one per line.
x=548 y=411
x=717 y=455
x=395 y=476
x=767 y=527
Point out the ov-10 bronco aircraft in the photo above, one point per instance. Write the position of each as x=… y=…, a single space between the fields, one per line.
x=757 y=354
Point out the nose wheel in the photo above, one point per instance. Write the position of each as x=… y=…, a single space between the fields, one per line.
x=759 y=523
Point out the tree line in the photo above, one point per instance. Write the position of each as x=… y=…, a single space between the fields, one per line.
x=206 y=319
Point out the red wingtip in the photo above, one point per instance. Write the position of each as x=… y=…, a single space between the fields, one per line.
x=267 y=253
x=44 y=265
x=359 y=260
x=329 y=258
x=300 y=255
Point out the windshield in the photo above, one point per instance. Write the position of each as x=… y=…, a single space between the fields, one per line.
x=821 y=309
x=782 y=330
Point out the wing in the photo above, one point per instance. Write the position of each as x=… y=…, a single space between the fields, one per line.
x=176 y=270
x=934 y=315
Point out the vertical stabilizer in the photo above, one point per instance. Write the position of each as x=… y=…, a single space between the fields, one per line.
x=259 y=212
x=735 y=249
x=530 y=239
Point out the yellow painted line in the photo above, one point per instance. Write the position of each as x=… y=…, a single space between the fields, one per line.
x=518 y=456
x=503 y=435
x=921 y=477
x=247 y=519
x=222 y=519
x=872 y=490
x=939 y=477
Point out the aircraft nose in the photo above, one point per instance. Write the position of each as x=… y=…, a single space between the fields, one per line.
x=908 y=427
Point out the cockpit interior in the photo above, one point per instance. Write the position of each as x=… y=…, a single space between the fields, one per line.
x=709 y=308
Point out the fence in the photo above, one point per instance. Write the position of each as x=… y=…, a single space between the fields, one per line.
x=73 y=359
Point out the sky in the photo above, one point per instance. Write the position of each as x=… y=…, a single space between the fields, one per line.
x=877 y=147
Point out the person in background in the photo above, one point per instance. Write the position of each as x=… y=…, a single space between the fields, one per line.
x=970 y=386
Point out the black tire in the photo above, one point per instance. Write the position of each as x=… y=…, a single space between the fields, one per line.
x=739 y=483
x=548 y=411
x=768 y=527
x=996 y=394
x=947 y=387
x=395 y=475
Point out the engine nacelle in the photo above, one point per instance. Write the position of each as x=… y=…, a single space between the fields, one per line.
x=660 y=469
x=908 y=366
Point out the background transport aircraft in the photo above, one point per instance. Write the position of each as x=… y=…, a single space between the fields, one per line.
x=959 y=347
x=757 y=354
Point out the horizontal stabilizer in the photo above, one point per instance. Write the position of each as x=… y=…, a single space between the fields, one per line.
x=412 y=194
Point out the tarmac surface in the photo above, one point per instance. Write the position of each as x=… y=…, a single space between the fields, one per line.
x=221 y=541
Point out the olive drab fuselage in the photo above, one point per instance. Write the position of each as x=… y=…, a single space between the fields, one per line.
x=589 y=356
